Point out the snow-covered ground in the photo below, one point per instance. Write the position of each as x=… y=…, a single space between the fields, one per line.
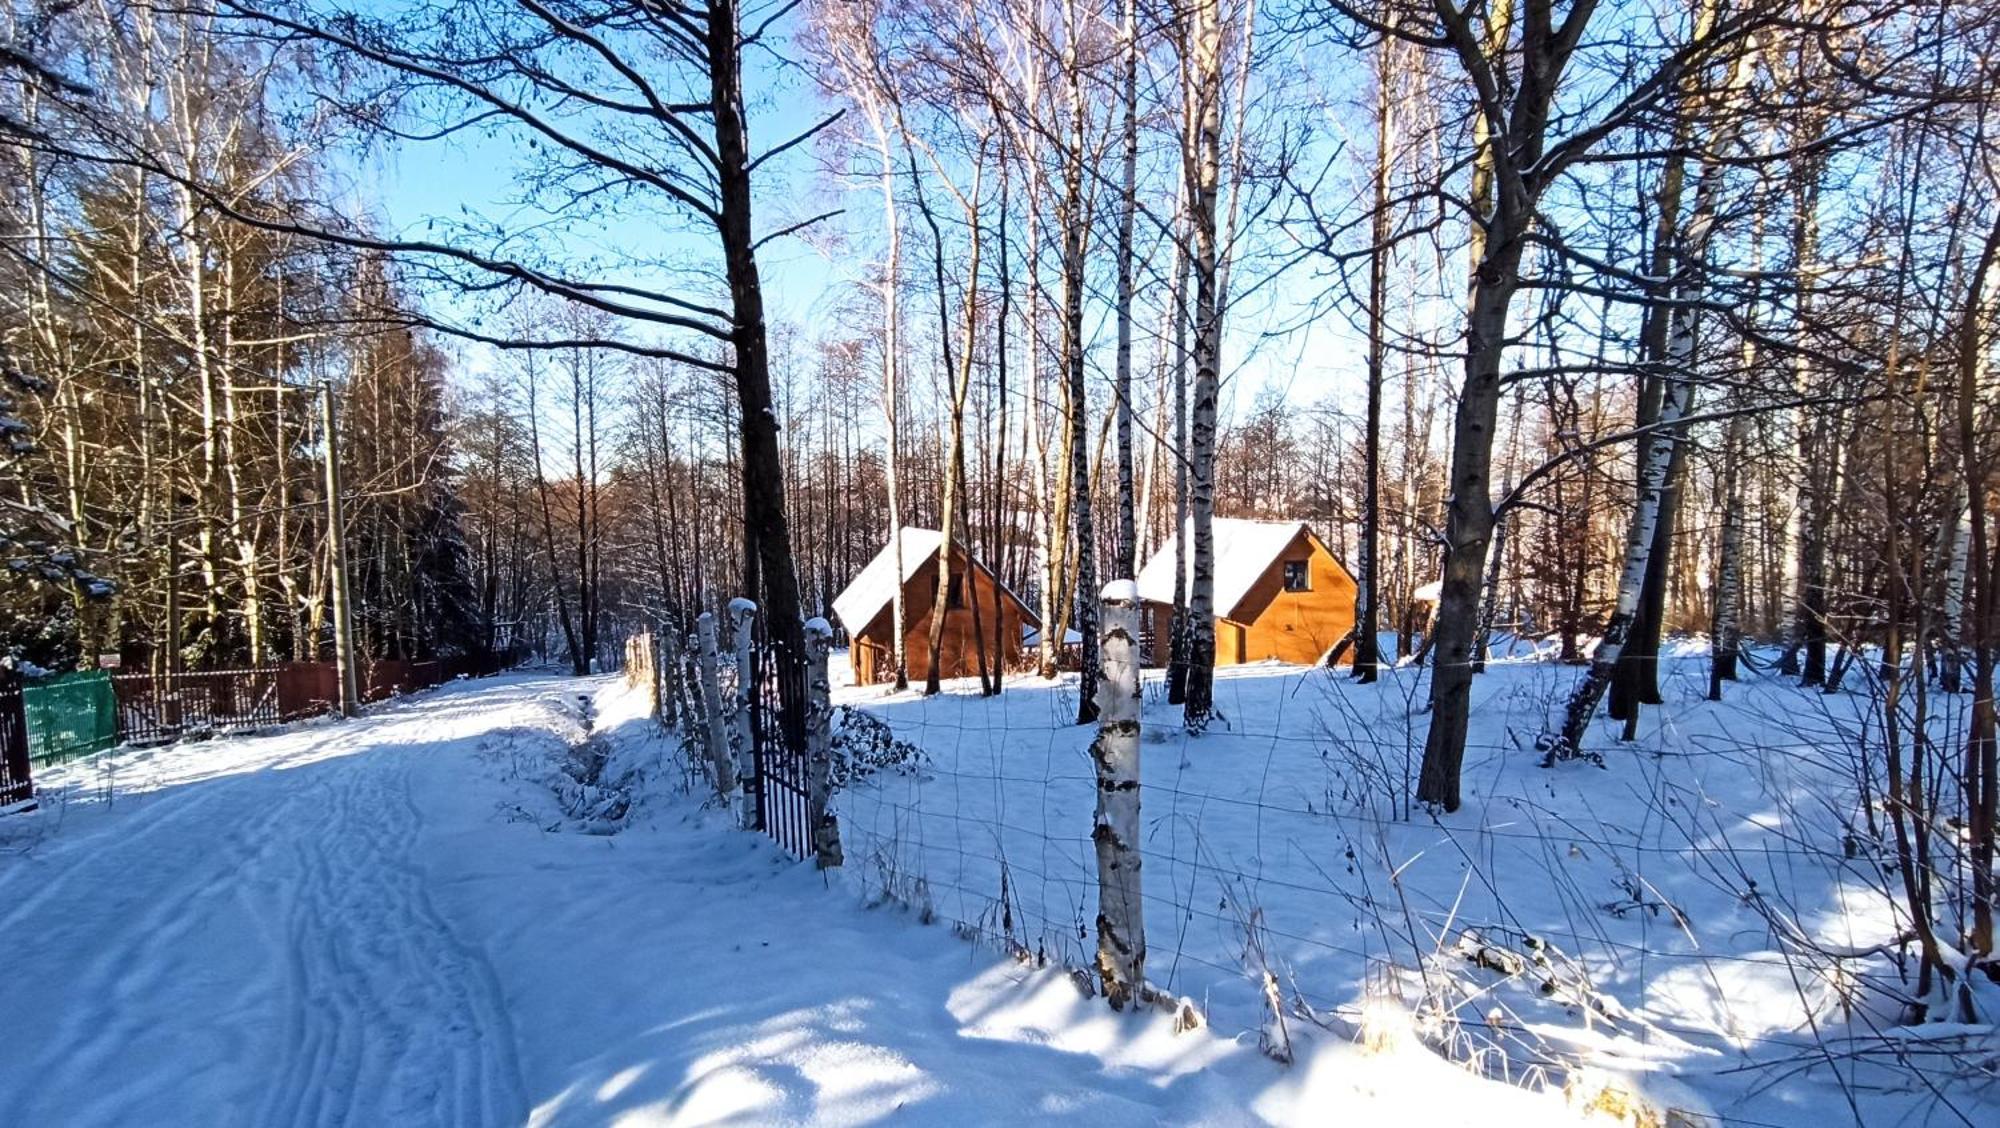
x=1657 y=932
x=424 y=917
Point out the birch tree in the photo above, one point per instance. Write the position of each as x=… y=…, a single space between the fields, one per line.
x=1200 y=34
x=1121 y=923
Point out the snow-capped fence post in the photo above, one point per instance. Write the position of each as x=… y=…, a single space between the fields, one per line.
x=720 y=765
x=741 y=737
x=1121 y=925
x=819 y=745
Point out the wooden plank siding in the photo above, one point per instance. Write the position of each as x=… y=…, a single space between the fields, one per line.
x=873 y=658
x=1272 y=623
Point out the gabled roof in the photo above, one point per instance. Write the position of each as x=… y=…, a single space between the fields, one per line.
x=871 y=590
x=1244 y=552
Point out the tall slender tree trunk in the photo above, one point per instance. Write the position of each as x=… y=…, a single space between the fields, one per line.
x=1126 y=563
x=1469 y=510
x=1076 y=223
x=892 y=396
x=1003 y=514
x=1726 y=634
x=1203 y=168
x=1367 y=582
x=1177 y=623
x=763 y=466
x=1981 y=775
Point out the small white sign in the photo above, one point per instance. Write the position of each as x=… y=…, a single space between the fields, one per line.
x=109 y=661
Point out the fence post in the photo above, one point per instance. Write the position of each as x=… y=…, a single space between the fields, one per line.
x=1121 y=925
x=742 y=738
x=711 y=706
x=819 y=745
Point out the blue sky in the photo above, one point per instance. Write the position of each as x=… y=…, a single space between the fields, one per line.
x=474 y=177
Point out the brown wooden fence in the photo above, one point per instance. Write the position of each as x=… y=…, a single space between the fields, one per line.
x=157 y=708
x=160 y=707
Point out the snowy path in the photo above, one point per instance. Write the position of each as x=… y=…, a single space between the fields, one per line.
x=388 y=922
x=392 y=922
x=264 y=939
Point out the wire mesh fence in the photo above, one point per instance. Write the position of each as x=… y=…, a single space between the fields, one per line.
x=1694 y=896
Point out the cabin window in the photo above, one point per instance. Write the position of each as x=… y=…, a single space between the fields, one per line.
x=955 y=597
x=1298 y=575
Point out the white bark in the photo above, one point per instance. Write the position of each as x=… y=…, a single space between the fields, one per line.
x=1126 y=563
x=721 y=768
x=1121 y=924
x=1202 y=168
x=1675 y=401
x=1728 y=632
x=819 y=746
x=742 y=749
x=1076 y=409
x=1951 y=653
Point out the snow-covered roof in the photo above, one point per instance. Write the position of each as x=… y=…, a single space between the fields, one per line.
x=871 y=591
x=1244 y=551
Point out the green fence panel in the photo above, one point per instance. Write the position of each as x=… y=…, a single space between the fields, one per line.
x=72 y=715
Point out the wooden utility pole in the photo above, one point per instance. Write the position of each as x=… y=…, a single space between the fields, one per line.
x=343 y=620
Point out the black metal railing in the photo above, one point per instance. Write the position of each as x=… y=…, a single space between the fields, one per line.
x=781 y=787
x=16 y=784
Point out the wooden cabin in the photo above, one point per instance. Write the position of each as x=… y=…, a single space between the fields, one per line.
x=865 y=610
x=1279 y=594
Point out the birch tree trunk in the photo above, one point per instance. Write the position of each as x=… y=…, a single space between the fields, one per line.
x=1726 y=634
x=1126 y=562
x=819 y=746
x=997 y=543
x=1121 y=923
x=1951 y=652
x=892 y=396
x=722 y=769
x=1676 y=398
x=1808 y=623
x=742 y=738
x=1661 y=453
x=1981 y=775
x=1177 y=624
x=1202 y=168
x=1077 y=409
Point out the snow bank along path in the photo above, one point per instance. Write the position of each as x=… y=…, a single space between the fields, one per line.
x=395 y=921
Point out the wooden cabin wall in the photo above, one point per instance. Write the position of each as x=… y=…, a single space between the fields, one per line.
x=1298 y=627
x=873 y=659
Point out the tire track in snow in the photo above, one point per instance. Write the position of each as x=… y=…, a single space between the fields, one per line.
x=183 y=803
x=392 y=1018
x=156 y=897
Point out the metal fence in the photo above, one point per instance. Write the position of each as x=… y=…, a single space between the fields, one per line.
x=83 y=712
x=153 y=708
x=16 y=785
x=72 y=715
x=784 y=810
